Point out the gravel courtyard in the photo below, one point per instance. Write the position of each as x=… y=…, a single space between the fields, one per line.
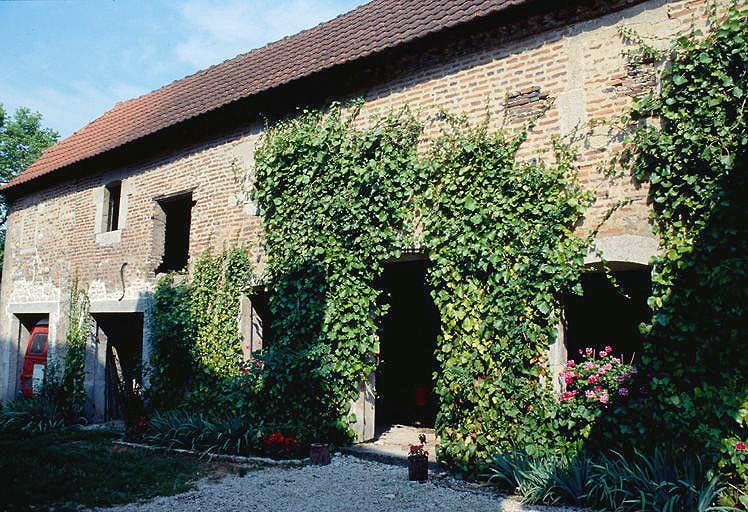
x=348 y=483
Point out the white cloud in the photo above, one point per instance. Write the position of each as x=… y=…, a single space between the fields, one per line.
x=221 y=30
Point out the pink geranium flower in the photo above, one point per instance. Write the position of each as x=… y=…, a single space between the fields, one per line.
x=568 y=395
x=741 y=446
x=593 y=379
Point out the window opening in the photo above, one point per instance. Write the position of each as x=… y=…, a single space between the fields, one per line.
x=114 y=195
x=178 y=216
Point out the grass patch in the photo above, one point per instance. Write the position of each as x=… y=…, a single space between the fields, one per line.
x=64 y=469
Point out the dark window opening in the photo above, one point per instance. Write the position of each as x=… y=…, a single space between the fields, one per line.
x=177 y=218
x=404 y=378
x=114 y=194
x=604 y=315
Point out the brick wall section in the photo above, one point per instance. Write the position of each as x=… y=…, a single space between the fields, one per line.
x=577 y=70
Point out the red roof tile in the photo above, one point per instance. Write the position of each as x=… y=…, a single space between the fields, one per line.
x=369 y=29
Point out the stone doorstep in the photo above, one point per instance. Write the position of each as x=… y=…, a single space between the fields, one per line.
x=392 y=445
x=113 y=426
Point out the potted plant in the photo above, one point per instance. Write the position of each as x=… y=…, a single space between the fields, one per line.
x=418 y=461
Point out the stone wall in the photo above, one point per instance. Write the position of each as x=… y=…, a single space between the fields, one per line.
x=576 y=71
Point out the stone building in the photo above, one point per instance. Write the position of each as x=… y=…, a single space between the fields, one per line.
x=155 y=180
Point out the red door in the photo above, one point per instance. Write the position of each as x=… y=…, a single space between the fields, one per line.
x=35 y=362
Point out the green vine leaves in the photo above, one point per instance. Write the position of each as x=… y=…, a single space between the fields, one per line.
x=337 y=200
x=501 y=243
x=696 y=163
x=77 y=336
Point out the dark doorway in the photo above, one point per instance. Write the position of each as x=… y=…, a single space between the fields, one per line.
x=604 y=315
x=123 y=335
x=404 y=379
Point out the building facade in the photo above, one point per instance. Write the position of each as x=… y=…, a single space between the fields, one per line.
x=158 y=179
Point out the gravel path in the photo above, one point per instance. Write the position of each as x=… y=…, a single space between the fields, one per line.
x=348 y=483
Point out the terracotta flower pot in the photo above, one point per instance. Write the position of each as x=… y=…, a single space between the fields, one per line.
x=418 y=468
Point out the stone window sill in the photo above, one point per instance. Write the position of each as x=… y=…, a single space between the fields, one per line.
x=109 y=237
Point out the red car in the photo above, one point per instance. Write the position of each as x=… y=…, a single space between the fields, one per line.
x=35 y=362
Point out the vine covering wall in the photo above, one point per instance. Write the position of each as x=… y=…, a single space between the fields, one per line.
x=697 y=167
x=197 y=348
x=335 y=203
x=500 y=239
x=72 y=388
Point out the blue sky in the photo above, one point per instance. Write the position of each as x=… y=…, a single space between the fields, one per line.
x=73 y=60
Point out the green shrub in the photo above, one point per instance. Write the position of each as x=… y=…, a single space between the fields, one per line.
x=32 y=415
x=546 y=480
x=661 y=481
x=43 y=412
x=233 y=434
x=664 y=480
x=195 y=431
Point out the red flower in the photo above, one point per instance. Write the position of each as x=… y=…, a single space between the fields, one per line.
x=741 y=446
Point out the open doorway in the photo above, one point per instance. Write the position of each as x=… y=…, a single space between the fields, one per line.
x=608 y=315
x=32 y=348
x=122 y=334
x=404 y=378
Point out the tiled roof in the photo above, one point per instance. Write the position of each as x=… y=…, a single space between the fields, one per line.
x=374 y=27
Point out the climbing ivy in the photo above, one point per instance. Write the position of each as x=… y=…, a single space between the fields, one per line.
x=335 y=198
x=171 y=335
x=500 y=237
x=215 y=290
x=197 y=347
x=73 y=392
x=694 y=159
